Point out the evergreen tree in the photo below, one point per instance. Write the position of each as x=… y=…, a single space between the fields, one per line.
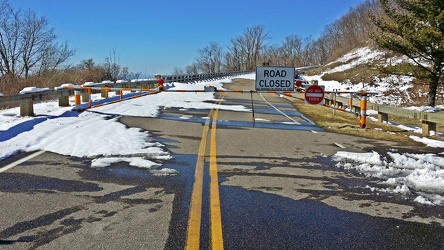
x=415 y=28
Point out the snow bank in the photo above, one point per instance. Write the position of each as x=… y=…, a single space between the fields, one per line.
x=420 y=175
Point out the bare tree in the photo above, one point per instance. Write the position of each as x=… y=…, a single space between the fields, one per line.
x=192 y=69
x=210 y=59
x=112 y=67
x=27 y=44
x=245 y=51
x=177 y=71
x=272 y=55
x=234 y=59
x=54 y=56
x=10 y=27
x=315 y=52
x=292 y=50
x=254 y=41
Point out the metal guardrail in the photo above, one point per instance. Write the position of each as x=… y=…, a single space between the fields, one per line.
x=428 y=120
x=25 y=101
x=18 y=99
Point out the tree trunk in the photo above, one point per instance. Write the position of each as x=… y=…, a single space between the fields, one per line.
x=431 y=96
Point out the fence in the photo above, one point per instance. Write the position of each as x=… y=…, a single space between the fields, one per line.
x=428 y=120
x=27 y=100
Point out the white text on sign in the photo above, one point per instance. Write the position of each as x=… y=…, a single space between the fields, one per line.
x=275 y=78
x=314 y=94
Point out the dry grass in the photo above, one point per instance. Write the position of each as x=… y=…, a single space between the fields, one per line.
x=347 y=123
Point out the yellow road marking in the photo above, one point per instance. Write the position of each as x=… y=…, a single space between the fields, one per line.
x=194 y=220
x=216 y=219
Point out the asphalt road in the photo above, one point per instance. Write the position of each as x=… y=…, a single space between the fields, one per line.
x=244 y=182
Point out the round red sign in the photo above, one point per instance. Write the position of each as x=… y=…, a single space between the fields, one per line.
x=298 y=83
x=314 y=94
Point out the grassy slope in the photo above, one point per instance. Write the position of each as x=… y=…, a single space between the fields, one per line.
x=347 y=123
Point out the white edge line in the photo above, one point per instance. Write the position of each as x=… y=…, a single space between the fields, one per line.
x=339 y=145
x=3 y=169
x=297 y=123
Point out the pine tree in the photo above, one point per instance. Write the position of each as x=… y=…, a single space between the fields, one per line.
x=415 y=28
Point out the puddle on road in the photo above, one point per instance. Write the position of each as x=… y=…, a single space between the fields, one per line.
x=283 y=125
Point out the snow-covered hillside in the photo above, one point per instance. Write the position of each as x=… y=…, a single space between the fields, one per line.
x=409 y=174
x=393 y=90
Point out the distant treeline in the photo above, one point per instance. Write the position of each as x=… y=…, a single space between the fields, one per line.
x=251 y=48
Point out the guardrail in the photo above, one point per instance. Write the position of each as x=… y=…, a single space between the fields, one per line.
x=26 y=100
x=428 y=120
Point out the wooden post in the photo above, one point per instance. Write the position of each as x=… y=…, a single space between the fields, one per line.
x=64 y=101
x=382 y=117
x=27 y=109
x=85 y=96
x=427 y=127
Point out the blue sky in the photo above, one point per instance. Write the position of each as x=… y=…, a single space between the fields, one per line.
x=155 y=36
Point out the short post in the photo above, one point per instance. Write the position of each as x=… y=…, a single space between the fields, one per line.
x=350 y=104
x=104 y=93
x=334 y=99
x=77 y=99
x=89 y=97
x=427 y=127
x=363 y=109
x=27 y=108
x=85 y=96
x=382 y=117
x=64 y=101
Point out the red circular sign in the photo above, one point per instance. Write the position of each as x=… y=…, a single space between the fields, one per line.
x=298 y=83
x=314 y=94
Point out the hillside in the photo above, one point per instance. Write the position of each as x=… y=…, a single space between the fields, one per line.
x=358 y=70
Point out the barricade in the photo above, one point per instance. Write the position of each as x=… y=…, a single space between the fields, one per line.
x=25 y=101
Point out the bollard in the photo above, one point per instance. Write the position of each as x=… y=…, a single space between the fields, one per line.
x=363 y=109
x=351 y=102
x=77 y=99
x=89 y=97
x=334 y=99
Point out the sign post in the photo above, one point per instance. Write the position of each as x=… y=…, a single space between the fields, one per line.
x=275 y=78
x=314 y=95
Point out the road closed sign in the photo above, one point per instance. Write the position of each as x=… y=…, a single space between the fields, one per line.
x=275 y=78
x=314 y=95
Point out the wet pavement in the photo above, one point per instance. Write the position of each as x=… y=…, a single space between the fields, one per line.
x=279 y=189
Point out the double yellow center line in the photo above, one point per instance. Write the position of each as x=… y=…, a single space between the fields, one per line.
x=194 y=220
